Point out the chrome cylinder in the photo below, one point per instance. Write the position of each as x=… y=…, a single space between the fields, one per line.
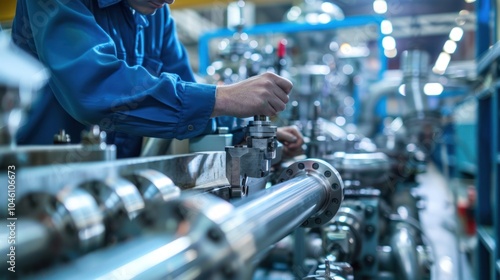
x=215 y=239
x=415 y=71
x=405 y=254
x=32 y=244
x=69 y=225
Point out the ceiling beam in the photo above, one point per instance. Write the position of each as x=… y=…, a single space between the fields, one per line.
x=7 y=10
x=198 y=4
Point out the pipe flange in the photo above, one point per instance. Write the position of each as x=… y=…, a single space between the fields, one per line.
x=154 y=185
x=120 y=201
x=116 y=196
x=426 y=116
x=73 y=217
x=333 y=183
x=198 y=219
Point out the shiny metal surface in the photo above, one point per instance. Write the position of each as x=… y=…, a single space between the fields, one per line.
x=415 y=65
x=351 y=162
x=154 y=185
x=405 y=255
x=140 y=258
x=116 y=195
x=212 y=239
x=241 y=161
x=21 y=76
x=251 y=164
x=200 y=170
x=33 y=243
x=323 y=171
x=120 y=202
x=344 y=235
x=364 y=168
x=73 y=221
x=244 y=170
x=38 y=155
x=155 y=147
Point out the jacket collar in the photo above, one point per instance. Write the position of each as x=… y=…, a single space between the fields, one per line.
x=106 y=3
x=140 y=19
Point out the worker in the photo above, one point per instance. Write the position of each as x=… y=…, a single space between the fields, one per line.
x=119 y=64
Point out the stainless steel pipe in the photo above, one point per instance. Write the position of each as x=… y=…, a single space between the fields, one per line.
x=31 y=241
x=415 y=70
x=213 y=239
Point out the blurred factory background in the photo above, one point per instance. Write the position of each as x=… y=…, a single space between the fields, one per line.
x=398 y=102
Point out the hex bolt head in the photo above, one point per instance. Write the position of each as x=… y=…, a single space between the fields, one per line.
x=214 y=235
x=370 y=230
x=369 y=260
x=369 y=211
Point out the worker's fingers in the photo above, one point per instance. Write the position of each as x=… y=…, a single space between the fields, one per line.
x=290 y=136
x=265 y=94
x=281 y=94
x=285 y=136
x=285 y=84
x=277 y=105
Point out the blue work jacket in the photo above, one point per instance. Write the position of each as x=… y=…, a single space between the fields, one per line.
x=110 y=66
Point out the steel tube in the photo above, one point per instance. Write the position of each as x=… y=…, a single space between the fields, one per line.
x=215 y=239
x=405 y=254
x=269 y=215
x=31 y=241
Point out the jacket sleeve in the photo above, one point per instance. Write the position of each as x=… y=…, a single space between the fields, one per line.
x=173 y=54
x=96 y=87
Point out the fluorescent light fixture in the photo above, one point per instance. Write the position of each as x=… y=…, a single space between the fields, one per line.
x=244 y=36
x=340 y=121
x=334 y=46
x=456 y=34
x=380 y=6
x=324 y=18
x=470 y=1
x=389 y=43
x=345 y=48
x=223 y=44
x=450 y=46
x=211 y=70
x=312 y=18
x=354 y=51
x=441 y=63
x=294 y=13
x=348 y=69
x=401 y=89
x=327 y=7
x=217 y=65
x=433 y=88
x=386 y=27
x=253 y=44
x=391 y=53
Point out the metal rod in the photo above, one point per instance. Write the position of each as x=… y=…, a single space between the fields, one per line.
x=271 y=214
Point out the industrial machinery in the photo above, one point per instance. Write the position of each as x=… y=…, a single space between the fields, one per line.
x=376 y=233
x=192 y=216
x=170 y=216
x=21 y=78
x=347 y=209
x=377 y=230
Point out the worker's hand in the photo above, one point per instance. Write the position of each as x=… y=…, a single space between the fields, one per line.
x=292 y=140
x=265 y=94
